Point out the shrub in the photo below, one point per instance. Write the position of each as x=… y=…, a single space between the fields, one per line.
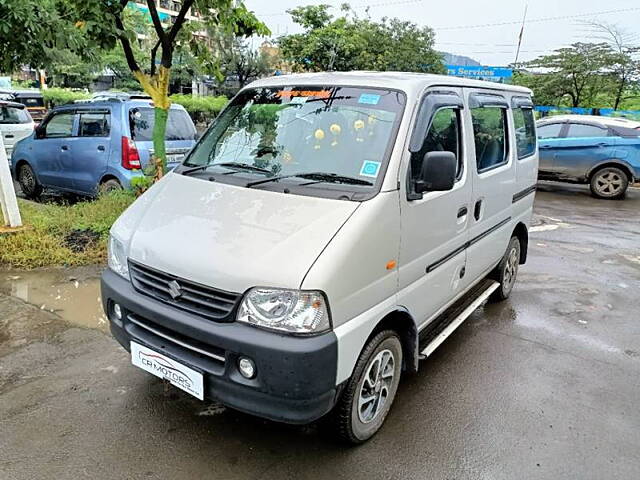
x=201 y=109
x=62 y=235
x=61 y=96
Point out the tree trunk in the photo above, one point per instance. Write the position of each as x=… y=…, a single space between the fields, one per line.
x=159 y=130
x=157 y=86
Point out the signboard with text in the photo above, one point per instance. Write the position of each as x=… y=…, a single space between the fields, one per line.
x=478 y=72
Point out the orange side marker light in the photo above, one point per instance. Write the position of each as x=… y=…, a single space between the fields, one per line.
x=391 y=264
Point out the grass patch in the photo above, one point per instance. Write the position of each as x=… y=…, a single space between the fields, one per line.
x=63 y=235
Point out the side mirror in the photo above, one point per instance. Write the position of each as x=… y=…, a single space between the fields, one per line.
x=39 y=131
x=438 y=172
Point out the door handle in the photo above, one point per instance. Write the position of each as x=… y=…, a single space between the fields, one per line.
x=602 y=144
x=64 y=147
x=477 y=209
x=101 y=148
x=544 y=147
x=463 y=211
x=8 y=135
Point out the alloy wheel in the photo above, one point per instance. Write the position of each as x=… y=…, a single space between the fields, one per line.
x=376 y=387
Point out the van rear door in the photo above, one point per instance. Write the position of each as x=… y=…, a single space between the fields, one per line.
x=494 y=179
x=179 y=138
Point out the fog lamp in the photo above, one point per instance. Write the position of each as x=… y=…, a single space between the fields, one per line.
x=117 y=311
x=247 y=367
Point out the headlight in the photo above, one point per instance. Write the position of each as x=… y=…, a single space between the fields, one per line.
x=117 y=257
x=292 y=311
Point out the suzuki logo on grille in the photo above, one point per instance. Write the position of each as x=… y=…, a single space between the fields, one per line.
x=175 y=290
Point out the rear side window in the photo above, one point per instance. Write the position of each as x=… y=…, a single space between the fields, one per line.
x=60 y=125
x=490 y=136
x=14 y=115
x=94 y=124
x=580 y=130
x=551 y=130
x=443 y=136
x=525 y=126
x=179 y=125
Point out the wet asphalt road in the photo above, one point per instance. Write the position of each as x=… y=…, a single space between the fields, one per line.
x=544 y=385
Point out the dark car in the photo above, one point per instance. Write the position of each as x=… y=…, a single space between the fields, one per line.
x=603 y=152
x=31 y=99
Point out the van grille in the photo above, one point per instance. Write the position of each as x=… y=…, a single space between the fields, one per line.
x=184 y=294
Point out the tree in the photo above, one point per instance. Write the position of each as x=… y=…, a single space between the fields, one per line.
x=241 y=62
x=352 y=43
x=104 y=19
x=626 y=69
x=579 y=73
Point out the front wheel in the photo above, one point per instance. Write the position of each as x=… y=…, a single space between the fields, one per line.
x=609 y=183
x=369 y=394
x=506 y=271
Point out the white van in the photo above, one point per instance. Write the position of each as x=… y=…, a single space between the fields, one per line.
x=326 y=234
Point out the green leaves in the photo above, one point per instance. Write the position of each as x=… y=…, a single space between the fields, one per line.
x=351 y=43
x=582 y=75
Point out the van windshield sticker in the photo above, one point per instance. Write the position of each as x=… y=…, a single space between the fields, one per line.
x=370 y=169
x=303 y=93
x=369 y=98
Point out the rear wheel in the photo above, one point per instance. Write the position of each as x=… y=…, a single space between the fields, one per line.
x=609 y=183
x=506 y=271
x=28 y=181
x=111 y=185
x=369 y=394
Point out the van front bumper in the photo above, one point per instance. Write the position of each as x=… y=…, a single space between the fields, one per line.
x=295 y=379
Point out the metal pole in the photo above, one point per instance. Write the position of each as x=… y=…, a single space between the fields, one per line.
x=524 y=19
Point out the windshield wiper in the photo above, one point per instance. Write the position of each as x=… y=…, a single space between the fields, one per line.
x=236 y=165
x=319 y=177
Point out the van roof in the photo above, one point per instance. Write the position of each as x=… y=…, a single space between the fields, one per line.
x=406 y=81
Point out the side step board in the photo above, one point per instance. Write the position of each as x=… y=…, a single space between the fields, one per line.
x=438 y=330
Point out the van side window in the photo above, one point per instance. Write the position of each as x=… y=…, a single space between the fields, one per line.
x=60 y=125
x=525 y=126
x=490 y=135
x=443 y=136
x=94 y=125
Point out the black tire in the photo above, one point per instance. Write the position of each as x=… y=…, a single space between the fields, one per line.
x=345 y=421
x=28 y=181
x=108 y=186
x=506 y=271
x=609 y=183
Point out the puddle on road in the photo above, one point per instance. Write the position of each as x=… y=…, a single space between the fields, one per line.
x=71 y=294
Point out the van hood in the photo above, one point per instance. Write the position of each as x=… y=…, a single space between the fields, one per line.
x=229 y=237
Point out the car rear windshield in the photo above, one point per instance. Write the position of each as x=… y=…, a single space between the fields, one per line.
x=13 y=115
x=179 y=125
x=347 y=131
x=31 y=101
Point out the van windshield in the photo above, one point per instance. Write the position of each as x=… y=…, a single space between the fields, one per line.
x=283 y=131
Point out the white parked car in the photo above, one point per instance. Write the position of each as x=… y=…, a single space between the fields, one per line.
x=326 y=234
x=15 y=124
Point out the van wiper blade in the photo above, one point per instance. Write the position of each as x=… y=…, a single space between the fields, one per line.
x=319 y=177
x=237 y=165
x=243 y=166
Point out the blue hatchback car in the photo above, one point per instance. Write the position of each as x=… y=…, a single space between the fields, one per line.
x=603 y=152
x=97 y=145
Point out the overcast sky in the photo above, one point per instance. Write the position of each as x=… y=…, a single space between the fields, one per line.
x=491 y=45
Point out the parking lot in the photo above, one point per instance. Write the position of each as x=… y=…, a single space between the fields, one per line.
x=544 y=385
